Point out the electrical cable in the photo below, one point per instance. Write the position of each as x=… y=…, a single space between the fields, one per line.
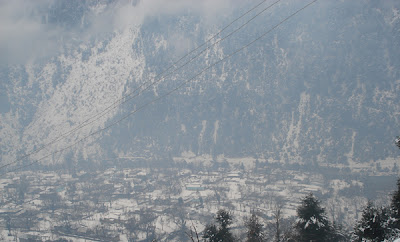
x=168 y=93
x=158 y=78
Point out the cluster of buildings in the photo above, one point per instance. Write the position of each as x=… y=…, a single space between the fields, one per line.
x=139 y=204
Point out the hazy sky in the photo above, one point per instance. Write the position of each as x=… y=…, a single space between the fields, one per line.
x=26 y=34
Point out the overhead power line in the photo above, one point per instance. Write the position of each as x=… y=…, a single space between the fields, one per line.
x=157 y=79
x=168 y=93
x=124 y=100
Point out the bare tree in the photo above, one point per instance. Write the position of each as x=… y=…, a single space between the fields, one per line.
x=51 y=201
x=193 y=233
x=278 y=215
x=254 y=229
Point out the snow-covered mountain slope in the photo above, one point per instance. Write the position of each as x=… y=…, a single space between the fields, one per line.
x=323 y=87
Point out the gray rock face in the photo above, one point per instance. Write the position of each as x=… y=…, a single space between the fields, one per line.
x=323 y=87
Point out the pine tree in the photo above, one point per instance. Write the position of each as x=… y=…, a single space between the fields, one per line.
x=224 y=219
x=254 y=229
x=312 y=224
x=397 y=141
x=222 y=232
x=373 y=224
x=211 y=233
x=393 y=223
x=395 y=206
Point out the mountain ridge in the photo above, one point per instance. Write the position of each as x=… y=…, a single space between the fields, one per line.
x=320 y=88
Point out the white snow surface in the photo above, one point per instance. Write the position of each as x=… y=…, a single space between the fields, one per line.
x=91 y=86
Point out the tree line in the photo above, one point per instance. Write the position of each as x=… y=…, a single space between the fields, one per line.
x=377 y=223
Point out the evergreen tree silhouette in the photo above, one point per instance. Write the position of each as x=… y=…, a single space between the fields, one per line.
x=312 y=223
x=372 y=226
x=222 y=232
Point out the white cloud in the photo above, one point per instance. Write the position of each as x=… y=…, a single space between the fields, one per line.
x=128 y=13
x=20 y=32
x=25 y=37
